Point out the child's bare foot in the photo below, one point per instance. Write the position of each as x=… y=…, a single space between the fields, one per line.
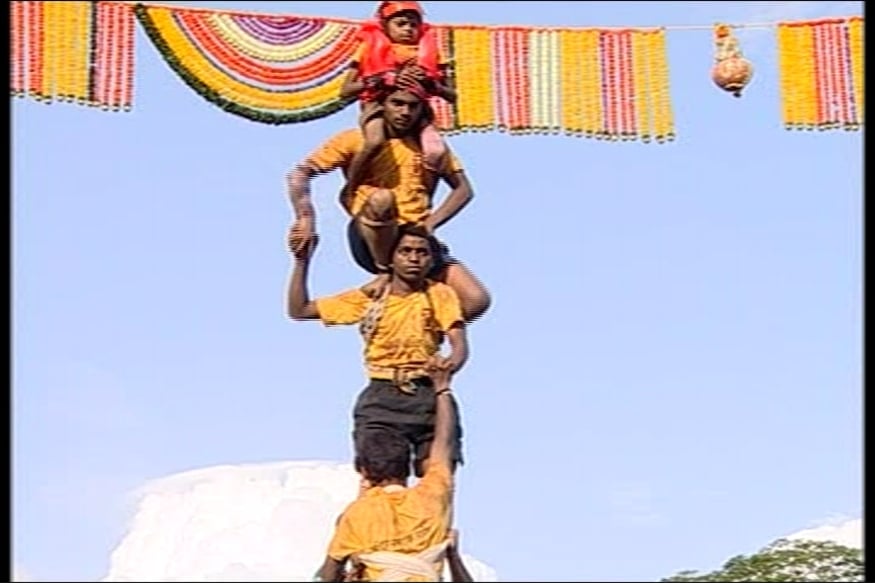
x=374 y=288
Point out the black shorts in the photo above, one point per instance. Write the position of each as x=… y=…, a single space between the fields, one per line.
x=362 y=255
x=381 y=405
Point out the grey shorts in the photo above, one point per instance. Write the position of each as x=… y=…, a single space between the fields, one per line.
x=381 y=405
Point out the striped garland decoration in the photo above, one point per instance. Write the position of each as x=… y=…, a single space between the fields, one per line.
x=76 y=52
x=603 y=84
x=610 y=84
x=269 y=69
x=821 y=74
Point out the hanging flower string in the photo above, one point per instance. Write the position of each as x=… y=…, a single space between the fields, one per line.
x=821 y=74
x=18 y=49
x=571 y=101
x=598 y=83
x=855 y=48
x=63 y=51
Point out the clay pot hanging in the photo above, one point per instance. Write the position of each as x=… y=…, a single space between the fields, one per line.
x=731 y=71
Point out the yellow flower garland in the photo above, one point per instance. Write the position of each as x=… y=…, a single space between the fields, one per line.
x=643 y=99
x=663 y=118
x=474 y=79
x=592 y=83
x=554 y=84
x=571 y=97
x=855 y=38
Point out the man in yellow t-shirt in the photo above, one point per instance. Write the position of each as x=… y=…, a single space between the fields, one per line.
x=393 y=191
x=403 y=331
x=394 y=532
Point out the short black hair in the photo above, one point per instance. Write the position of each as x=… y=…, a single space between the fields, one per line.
x=413 y=230
x=383 y=454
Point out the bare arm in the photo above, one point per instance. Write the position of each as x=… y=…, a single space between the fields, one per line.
x=331 y=570
x=458 y=339
x=298 y=181
x=444 y=87
x=458 y=198
x=352 y=84
x=299 y=306
x=445 y=420
x=458 y=572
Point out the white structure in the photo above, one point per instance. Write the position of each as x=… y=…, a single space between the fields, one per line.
x=269 y=522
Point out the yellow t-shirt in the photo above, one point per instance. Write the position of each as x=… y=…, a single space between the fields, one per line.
x=401 y=520
x=409 y=331
x=397 y=166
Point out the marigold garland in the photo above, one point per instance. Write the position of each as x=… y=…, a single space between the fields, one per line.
x=821 y=73
x=598 y=83
x=64 y=51
x=204 y=54
x=571 y=81
x=473 y=69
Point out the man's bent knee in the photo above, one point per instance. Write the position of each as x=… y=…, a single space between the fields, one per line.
x=476 y=304
x=380 y=206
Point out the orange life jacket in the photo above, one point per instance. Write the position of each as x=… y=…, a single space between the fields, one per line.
x=378 y=57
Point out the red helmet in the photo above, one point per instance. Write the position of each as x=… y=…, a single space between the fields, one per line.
x=389 y=9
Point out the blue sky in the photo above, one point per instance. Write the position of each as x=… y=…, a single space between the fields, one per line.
x=670 y=374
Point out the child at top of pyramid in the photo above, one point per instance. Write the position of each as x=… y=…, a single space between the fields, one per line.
x=397 y=50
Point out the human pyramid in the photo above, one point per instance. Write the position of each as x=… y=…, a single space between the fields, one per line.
x=406 y=420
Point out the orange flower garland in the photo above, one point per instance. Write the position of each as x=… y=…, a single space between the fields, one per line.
x=598 y=83
x=62 y=50
x=821 y=77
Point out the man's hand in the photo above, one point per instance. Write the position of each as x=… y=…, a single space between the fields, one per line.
x=302 y=238
x=428 y=225
x=451 y=363
x=441 y=370
x=375 y=288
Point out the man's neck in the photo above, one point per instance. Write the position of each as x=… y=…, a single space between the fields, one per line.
x=391 y=482
x=394 y=133
x=400 y=287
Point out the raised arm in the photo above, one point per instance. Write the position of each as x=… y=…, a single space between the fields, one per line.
x=441 y=451
x=459 y=197
x=457 y=336
x=443 y=87
x=458 y=572
x=298 y=181
x=331 y=155
x=332 y=570
x=352 y=84
x=299 y=306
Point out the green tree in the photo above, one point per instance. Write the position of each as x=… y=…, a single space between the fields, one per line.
x=788 y=560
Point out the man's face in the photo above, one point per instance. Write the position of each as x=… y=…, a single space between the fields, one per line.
x=412 y=258
x=402 y=110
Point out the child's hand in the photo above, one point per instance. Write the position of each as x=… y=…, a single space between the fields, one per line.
x=407 y=77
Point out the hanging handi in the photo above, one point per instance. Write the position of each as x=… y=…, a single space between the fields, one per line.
x=78 y=52
x=270 y=69
x=821 y=73
x=731 y=71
